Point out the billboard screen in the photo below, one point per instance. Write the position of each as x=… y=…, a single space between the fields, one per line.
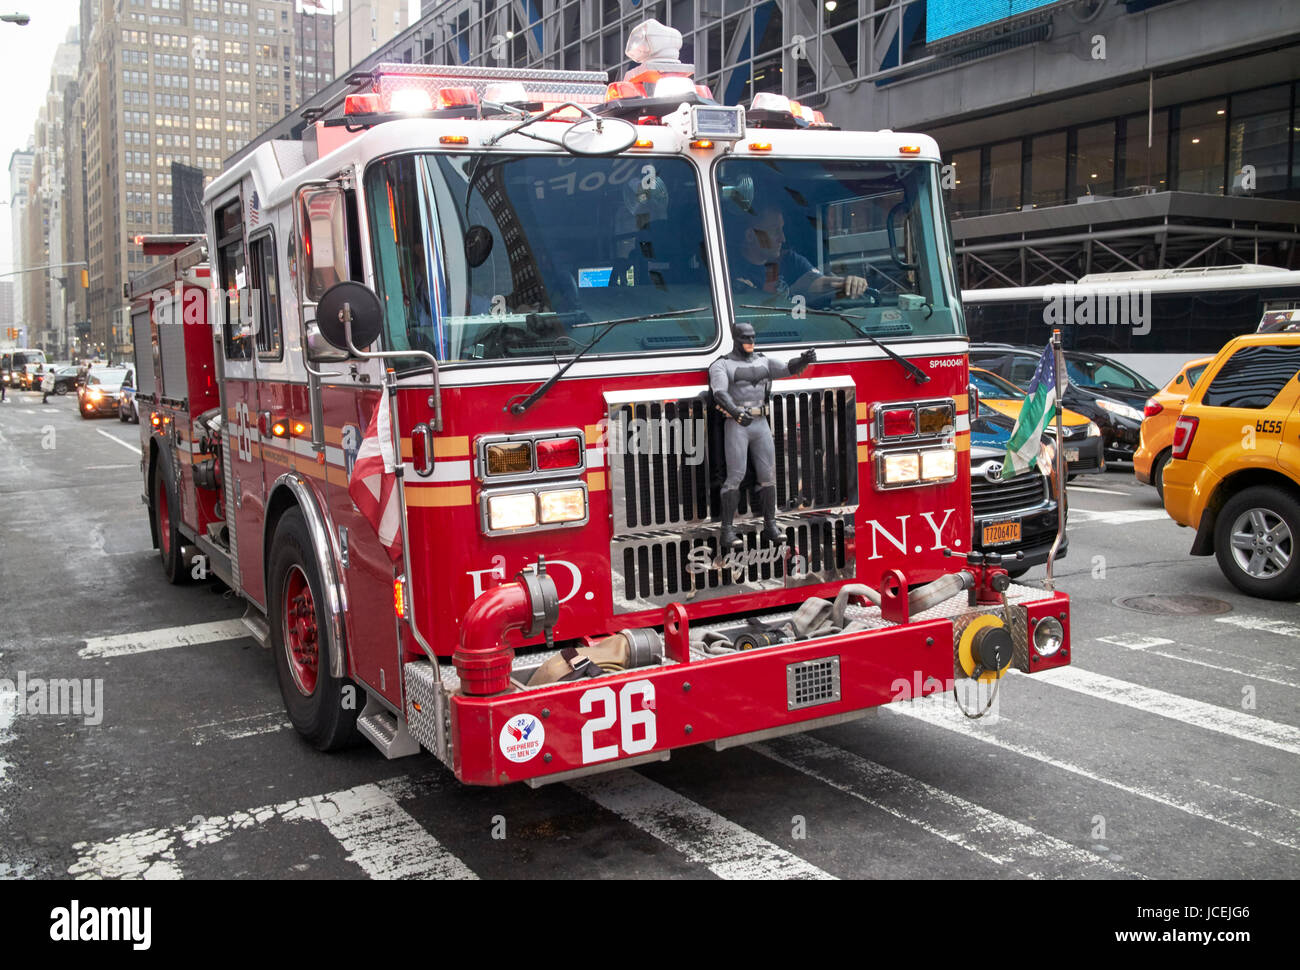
x=944 y=18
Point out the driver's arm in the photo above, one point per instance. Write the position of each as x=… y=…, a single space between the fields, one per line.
x=813 y=282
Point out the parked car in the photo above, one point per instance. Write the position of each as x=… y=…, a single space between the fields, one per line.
x=99 y=394
x=1235 y=472
x=1016 y=515
x=1099 y=388
x=127 y=408
x=59 y=379
x=1083 y=447
x=1156 y=439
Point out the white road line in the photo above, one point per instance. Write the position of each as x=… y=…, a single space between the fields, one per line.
x=380 y=836
x=164 y=639
x=991 y=836
x=1149 y=645
x=941 y=716
x=1223 y=720
x=104 y=468
x=1080 y=516
x=1134 y=641
x=1094 y=488
x=1261 y=623
x=239 y=727
x=729 y=851
x=134 y=449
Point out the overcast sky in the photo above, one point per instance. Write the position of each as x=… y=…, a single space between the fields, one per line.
x=25 y=57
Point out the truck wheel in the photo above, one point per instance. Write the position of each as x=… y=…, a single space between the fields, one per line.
x=322 y=708
x=1257 y=542
x=1158 y=472
x=165 y=511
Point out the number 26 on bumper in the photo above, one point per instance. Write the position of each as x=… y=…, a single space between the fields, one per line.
x=634 y=712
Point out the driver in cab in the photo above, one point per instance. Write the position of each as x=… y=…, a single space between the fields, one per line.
x=764 y=269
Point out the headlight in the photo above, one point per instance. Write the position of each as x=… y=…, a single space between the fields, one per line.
x=902 y=468
x=94 y=394
x=514 y=511
x=1123 y=410
x=1049 y=636
x=937 y=465
x=563 y=505
x=1094 y=429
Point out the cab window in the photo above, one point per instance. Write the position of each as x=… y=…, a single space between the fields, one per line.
x=1253 y=377
x=237 y=328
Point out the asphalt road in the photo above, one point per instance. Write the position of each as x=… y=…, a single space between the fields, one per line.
x=1168 y=750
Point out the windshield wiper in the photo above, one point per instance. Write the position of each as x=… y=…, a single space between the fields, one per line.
x=920 y=376
x=520 y=406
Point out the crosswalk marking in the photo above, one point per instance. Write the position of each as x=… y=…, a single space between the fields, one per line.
x=1280 y=627
x=1149 y=645
x=729 y=851
x=1079 y=516
x=381 y=837
x=237 y=728
x=1094 y=488
x=1246 y=727
x=936 y=714
x=991 y=836
x=165 y=639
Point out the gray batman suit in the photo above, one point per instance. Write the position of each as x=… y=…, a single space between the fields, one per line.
x=741 y=382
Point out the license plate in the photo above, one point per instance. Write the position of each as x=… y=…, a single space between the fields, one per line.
x=1000 y=533
x=1071 y=454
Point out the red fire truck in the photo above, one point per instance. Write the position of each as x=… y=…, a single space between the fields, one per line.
x=513 y=282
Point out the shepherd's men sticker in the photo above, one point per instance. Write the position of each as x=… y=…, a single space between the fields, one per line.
x=522 y=737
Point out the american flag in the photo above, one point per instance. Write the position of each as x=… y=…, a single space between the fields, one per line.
x=373 y=486
x=254 y=206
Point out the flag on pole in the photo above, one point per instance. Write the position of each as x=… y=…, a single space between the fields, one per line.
x=373 y=486
x=1036 y=412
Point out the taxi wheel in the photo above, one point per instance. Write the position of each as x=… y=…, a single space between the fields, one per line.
x=1257 y=542
x=1158 y=472
x=322 y=708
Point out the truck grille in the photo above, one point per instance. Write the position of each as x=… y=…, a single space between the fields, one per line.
x=664 y=454
x=814 y=429
x=993 y=498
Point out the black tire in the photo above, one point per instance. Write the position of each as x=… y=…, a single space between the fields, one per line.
x=60 y=389
x=121 y=415
x=1278 y=510
x=319 y=713
x=1017 y=573
x=166 y=511
x=1158 y=471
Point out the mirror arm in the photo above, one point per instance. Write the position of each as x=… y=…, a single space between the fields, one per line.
x=435 y=400
x=532 y=119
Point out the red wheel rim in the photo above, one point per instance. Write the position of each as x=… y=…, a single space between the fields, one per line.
x=301 y=640
x=164 y=523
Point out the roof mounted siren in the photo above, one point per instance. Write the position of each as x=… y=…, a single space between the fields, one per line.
x=769 y=110
x=659 y=84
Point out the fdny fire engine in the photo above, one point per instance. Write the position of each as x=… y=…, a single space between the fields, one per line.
x=431 y=395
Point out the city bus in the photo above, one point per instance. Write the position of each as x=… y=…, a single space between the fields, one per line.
x=1154 y=320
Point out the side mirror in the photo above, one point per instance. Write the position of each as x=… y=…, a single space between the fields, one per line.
x=354 y=301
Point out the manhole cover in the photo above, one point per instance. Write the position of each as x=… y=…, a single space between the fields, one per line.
x=1174 y=605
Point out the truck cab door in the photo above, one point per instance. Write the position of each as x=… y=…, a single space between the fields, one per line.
x=245 y=489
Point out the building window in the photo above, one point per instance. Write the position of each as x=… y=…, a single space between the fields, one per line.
x=1047 y=170
x=1199 y=141
x=1093 y=161
x=965 y=195
x=1258 y=136
x=1005 y=174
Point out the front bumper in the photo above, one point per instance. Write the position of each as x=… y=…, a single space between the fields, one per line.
x=583 y=727
x=1121 y=439
x=1091 y=459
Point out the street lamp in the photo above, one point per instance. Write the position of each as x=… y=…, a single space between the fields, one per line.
x=21 y=19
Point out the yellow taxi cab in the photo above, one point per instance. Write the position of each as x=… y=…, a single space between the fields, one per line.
x=1235 y=473
x=1083 y=444
x=1156 y=437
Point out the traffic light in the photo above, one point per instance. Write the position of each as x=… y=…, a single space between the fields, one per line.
x=85 y=279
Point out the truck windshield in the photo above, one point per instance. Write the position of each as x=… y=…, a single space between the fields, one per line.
x=864 y=238
x=540 y=250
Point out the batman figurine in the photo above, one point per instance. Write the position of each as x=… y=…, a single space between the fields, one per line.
x=742 y=388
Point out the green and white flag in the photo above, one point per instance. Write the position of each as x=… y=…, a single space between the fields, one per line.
x=1038 y=410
